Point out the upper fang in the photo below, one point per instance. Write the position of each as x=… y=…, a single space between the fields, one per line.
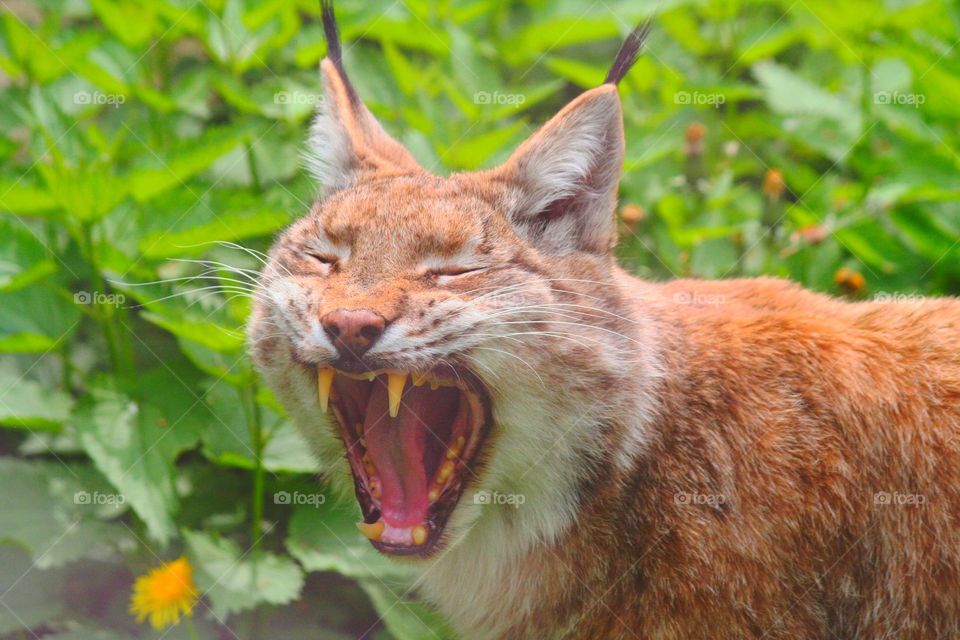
x=324 y=382
x=395 y=384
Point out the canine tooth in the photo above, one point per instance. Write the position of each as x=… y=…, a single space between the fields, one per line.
x=446 y=469
x=371 y=376
x=395 y=384
x=433 y=494
x=419 y=534
x=371 y=530
x=418 y=379
x=324 y=382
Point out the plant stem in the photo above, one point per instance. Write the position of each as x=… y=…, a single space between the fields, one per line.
x=109 y=315
x=191 y=628
x=67 y=380
x=258 y=443
x=252 y=165
x=96 y=279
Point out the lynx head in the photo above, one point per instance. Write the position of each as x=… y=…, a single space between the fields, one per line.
x=454 y=347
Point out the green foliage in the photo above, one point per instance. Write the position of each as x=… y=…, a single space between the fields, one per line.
x=140 y=140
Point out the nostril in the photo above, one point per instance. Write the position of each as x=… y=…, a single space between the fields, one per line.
x=333 y=330
x=371 y=331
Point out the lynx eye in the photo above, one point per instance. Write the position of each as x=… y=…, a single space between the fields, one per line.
x=326 y=262
x=448 y=273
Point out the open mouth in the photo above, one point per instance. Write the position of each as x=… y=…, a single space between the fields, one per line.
x=411 y=441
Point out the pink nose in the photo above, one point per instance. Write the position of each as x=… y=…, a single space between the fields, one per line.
x=353 y=332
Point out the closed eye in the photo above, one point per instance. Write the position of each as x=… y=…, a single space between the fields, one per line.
x=326 y=262
x=447 y=273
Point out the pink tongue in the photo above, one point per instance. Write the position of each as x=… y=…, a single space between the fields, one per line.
x=399 y=447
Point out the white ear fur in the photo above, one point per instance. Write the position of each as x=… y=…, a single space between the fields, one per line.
x=566 y=175
x=346 y=140
x=328 y=155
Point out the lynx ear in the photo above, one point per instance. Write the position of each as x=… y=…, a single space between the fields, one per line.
x=346 y=141
x=564 y=178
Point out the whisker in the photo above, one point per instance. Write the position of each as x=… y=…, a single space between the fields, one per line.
x=513 y=355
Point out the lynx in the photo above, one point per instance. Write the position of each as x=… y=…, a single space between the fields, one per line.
x=563 y=450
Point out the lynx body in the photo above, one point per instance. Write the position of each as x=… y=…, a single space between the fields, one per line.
x=566 y=451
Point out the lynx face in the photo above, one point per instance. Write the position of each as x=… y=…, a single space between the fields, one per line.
x=424 y=329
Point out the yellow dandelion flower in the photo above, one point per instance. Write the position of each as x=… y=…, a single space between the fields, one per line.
x=165 y=594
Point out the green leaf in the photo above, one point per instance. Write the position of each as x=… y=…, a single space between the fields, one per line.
x=325 y=538
x=23 y=258
x=788 y=93
x=209 y=334
x=178 y=162
x=132 y=447
x=20 y=197
x=31 y=598
x=181 y=223
x=825 y=120
x=474 y=152
x=577 y=71
x=405 y=617
x=89 y=633
x=31 y=50
x=237 y=582
x=132 y=22
x=227 y=438
x=26 y=404
x=86 y=193
x=197 y=316
x=928 y=235
x=529 y=43
x=56 y=512
x=411 y=34
x=35 y=319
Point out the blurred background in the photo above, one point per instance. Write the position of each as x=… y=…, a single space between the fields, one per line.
x=150 y=150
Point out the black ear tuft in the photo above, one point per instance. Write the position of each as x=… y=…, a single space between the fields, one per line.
x=628 y=53
x=334 y=52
